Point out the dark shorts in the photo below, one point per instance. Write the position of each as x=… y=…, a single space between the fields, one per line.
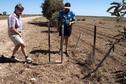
x=67 y=31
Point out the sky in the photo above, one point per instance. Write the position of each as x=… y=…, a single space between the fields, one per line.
x=79 y=7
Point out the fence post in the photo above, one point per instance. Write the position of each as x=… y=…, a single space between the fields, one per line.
x=94 y=45
x=61 y=42
x=78 y=40
x=49 y=41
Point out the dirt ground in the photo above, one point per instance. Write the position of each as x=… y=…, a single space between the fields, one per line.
x=74 y=67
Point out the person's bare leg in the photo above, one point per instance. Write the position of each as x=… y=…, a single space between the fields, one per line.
x=27 y=59
x=15 y=49
x=23 y=50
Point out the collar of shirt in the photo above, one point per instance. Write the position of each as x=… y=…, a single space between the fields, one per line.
x=17 y=16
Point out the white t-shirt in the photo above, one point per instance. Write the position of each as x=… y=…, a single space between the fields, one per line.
x=14 y=21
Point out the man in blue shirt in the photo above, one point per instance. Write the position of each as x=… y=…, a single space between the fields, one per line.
x=66 y=18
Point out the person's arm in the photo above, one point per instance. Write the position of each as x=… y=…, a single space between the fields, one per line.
x=73 y=19
x=72 y=22
x=13 y=29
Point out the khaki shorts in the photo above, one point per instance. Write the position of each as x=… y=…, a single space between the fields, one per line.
x=16 y=39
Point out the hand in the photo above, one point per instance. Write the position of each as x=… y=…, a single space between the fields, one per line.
x=71 y=23
x=19 y=34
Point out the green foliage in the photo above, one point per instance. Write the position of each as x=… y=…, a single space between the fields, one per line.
x=117 y=9
x=54 y=19
x=49 y=7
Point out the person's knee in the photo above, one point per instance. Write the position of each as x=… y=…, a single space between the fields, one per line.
x=18 y=45
x=22 y=45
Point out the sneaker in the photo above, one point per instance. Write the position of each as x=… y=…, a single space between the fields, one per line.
x=13 y=58
x=28 y=59
x=66 y=51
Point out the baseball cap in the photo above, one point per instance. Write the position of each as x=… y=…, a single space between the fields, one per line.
x=67 y=5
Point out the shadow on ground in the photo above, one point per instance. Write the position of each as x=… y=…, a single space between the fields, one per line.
x=44 y=24
x=48 y=31
x=120 y=77
x=4 y=59
x=45 y=52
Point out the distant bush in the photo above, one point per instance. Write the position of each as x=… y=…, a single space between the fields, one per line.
x=78 y=19
x=4 y=13
x=83 y=19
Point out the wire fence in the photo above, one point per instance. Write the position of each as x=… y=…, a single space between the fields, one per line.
x=91 y=42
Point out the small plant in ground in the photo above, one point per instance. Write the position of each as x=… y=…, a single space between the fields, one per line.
x=98 y=75
x=118 y=38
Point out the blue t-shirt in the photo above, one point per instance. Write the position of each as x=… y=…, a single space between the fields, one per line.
x=66 y=18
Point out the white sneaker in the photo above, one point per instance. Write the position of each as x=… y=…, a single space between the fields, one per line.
x=13 y=58
x=28 y=60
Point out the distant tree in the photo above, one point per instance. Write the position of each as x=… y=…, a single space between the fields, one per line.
x=118 y=9
x=4 y=13
x=50 y=7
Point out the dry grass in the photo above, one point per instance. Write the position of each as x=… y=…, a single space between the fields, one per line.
x=74 y=67
x=3 y=17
